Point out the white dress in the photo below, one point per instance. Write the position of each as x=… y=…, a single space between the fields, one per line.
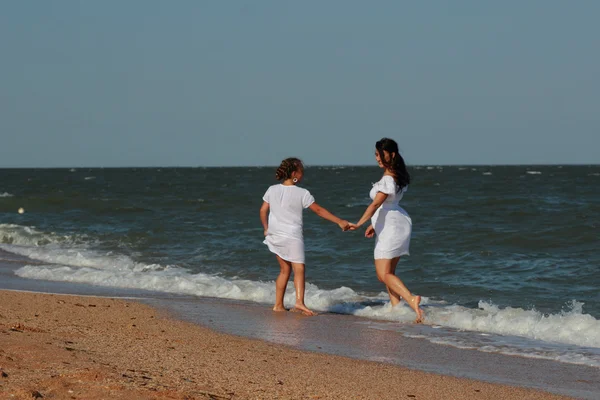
x=284 y=235
x=392 y=224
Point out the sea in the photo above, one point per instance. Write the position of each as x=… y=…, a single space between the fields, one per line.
x=506 y=258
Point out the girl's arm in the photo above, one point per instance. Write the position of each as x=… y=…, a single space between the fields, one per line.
x=323 y=213
x=377 y=202
x=264 y=212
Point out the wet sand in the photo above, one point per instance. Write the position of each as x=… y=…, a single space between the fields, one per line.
x=73 y=347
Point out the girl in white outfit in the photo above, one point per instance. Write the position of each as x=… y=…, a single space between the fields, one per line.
x=390 y=223
x=284 y=204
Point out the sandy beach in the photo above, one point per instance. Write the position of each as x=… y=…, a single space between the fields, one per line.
x=73 y=347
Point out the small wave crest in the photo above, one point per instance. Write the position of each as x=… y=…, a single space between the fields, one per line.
x=357 y=204
x=12 y=234
x=568 y=327
x=6 y=194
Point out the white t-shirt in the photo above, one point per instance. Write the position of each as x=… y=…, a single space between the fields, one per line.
x=286 y=204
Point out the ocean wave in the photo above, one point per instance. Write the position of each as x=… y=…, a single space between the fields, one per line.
x=567 y=327
x=27 y=236
x=172 y=279
x=6 y=194
x=533 y=172
x=571 y=327
x=72 y=259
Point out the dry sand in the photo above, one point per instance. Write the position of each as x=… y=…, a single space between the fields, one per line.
x=70 y=347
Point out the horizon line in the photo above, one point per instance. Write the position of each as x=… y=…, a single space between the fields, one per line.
x=309 y=165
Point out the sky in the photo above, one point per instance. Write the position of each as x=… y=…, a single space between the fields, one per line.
x=245 y=83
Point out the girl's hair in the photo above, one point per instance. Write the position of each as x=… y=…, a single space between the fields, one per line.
x=396 y=163
x=288 y=166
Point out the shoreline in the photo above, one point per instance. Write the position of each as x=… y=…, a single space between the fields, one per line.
x=69 y=346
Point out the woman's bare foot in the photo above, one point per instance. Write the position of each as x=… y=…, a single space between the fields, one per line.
x=414 y=304
x=279 y=308
x=302 y=308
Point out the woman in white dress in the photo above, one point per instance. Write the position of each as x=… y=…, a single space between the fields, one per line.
x=390 y=223
x=284 y=203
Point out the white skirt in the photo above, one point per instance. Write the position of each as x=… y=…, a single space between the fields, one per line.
x=393 y=228
x=289 y=249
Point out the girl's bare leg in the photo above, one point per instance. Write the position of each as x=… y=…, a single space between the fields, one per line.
x=383 y=268
x=299 y=285
x=394 y=298
x=281 y=283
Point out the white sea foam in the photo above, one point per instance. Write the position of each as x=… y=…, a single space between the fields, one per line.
x=170 y=279
x=6 y=194
x=513 y=346
x=89 y=178
x=568 y=336
x=572 y=327
x=487 y=173
x=534 y=172
x=86 y=266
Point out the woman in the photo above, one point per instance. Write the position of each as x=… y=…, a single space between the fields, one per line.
x=390 y=222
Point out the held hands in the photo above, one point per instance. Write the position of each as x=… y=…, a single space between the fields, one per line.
x=344 y=225
x=349 y=226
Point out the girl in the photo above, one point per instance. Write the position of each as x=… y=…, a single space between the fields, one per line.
x=390 y=222
x=284 y=204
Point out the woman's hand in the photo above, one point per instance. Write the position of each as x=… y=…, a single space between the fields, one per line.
x=265 y=232
x=370 y=232
x=352 y=227
x=344 y=225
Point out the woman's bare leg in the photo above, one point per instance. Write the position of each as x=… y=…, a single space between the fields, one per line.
x=383 y=268
x=281 y=283
x=394 y=298
x=299 y=285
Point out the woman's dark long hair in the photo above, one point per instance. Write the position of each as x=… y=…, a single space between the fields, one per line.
x=396 y=162
x=287 y=167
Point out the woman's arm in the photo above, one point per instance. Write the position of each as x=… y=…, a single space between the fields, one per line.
x=264 y=212
x=323 y=213
x=377 y=202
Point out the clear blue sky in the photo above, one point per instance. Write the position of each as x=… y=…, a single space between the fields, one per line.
x=211 y=83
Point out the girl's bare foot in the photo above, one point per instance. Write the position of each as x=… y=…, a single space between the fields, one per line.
x=302 y=308
x=279 y=308
x=414 y=304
